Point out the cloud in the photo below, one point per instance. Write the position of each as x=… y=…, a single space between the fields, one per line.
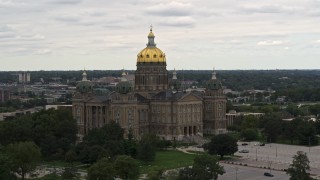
x=5 y=28
x=179 y=22
x=11 y=3
x=43 y=51
x=5 y=35
x=261 y=9
x=36 y=37
x=65 y=1
x=170 y=9
x=270 y=43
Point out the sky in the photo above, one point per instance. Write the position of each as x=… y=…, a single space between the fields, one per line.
x=194 y=34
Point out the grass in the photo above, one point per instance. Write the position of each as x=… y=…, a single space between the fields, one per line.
x=169 y=160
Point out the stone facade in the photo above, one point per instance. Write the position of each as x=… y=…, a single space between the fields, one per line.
x=153 y=104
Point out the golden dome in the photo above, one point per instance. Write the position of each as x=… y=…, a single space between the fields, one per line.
x=151 y=53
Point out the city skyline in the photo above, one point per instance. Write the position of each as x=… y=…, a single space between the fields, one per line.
x=107 y=35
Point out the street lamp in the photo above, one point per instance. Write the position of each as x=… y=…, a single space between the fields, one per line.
x=236 y=173
x=256 y=154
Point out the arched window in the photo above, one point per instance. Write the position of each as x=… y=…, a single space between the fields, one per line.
x=154 y=56
x=147 y=55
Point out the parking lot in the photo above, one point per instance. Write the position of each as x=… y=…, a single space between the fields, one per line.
x=278 y=156
x=250 y=173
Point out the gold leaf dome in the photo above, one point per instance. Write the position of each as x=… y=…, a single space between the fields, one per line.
x=151 y=53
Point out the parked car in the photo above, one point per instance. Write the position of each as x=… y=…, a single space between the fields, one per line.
x=244 y=144
x=244 y=151
x=262 y=144
x=268 y=174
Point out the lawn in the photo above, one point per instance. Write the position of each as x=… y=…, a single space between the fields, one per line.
x=169 y=160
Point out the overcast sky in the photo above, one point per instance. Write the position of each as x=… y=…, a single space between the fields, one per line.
x=194 y=34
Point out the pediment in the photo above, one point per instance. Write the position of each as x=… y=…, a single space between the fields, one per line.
x=190 y=97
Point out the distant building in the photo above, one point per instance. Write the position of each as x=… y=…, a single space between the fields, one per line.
x=232 y=115
x=58 y=107
x=5 y=94
x=24 y=77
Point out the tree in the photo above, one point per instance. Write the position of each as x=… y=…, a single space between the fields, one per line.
x=205 y=167
x=299 y=167
x=146 y=149
x=70 y=156
x=69 y=173
x=249 y=122
x=146 y=152
x=271 y=124
x=110 y=137
x=5 y=165
x=102 y=170
x=249 y=134
x=25 y=157
x=186 y=174
x=155 y=173
x=126 y=167
x=130 y=145
x=222 y=144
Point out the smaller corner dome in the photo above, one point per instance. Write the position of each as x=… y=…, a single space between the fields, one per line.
x=175 y=84
x=124 y=87
x=213 y=84
x=84 y=86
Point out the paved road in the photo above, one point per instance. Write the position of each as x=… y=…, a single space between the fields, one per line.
x=249 y=173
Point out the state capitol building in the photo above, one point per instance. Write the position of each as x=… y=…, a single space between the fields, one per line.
x=153 y=103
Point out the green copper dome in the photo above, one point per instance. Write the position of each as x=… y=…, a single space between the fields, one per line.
x=124 y=87
x=213 y=83
x=85 y=85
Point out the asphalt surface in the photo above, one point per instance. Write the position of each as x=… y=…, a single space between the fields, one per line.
x=234 y=172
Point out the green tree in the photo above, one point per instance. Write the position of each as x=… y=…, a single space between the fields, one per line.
x=155 y=173
x=69 y=173
x=186 y=173
x=102 y=170
x=5 y=165
x=299 y=168
x=130 y=145
x=249 y=122
x=146 y=149
x=222 y=144
x=126 y=167
x=109 y=137
x=249 y=134
x=146 y=152
x=25 y=157
x=205 y=167
x=70 y=156
x=272 y=126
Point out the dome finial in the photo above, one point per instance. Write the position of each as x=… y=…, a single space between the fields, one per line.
x=174 y=74
x=214 y=74
x=123 y=77
x=151 y=38
x=84 y=75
